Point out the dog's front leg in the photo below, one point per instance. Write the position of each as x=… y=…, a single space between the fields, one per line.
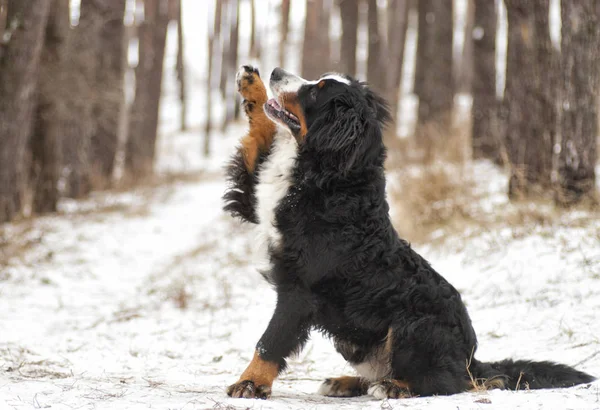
x=287 y=332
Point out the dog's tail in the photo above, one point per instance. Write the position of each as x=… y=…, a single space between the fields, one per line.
x=524 y=374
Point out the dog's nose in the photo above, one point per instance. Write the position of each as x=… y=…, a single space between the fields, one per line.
x=278 y=73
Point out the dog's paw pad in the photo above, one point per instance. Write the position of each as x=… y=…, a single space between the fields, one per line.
x=246 y=389
x=388 y=389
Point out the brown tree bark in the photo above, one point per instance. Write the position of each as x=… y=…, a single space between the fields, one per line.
x=434 y=76
x=314 y=62
x=464 y=69
x=254 y=37
x=213 y=53
x=224 y=32
x=284 y=28
x=181 y=71
x=46 y=139
x=143 y=129
x=580 y=45
x=19 y=73
x=547 y=73
x=3 y=13
x=397 y=26
x=349 y=16
x=484 y=132
x=108 y=88
x=375 y=61
x=529 y=131
x=230 y=65
x=80 y=99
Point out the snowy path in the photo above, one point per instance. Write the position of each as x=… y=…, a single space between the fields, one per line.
x=152 y=304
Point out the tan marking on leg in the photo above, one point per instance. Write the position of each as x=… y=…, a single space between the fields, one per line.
x=260 y=135
x=260 y=371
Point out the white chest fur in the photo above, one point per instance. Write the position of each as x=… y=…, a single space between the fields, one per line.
x=274 y=183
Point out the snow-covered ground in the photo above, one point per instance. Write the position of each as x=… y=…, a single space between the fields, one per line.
x=149 y=298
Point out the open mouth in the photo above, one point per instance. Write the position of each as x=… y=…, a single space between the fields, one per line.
x=275 y=111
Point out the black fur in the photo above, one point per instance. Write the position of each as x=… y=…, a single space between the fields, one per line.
x=341 y=267
x=239 y=198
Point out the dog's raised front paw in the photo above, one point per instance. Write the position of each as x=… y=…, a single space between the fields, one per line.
x=251 y=88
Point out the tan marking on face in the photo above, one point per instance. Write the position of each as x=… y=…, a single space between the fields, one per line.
x=290 y=103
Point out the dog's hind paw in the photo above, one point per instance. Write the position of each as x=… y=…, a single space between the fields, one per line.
x=389 y=389
x=345 y=386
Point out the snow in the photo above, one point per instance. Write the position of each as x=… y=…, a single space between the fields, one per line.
x=150 y=299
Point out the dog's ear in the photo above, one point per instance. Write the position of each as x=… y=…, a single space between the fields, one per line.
x=350 y=131
x=379 y=105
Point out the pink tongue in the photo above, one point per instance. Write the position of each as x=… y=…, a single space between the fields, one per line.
x=273 y=103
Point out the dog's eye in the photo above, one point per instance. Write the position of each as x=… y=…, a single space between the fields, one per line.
x=313 y=94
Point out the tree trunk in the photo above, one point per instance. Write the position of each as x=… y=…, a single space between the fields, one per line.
x=3 y=14
x=434 y=76
x=284 y=29
x=181 y=71
x=528 y=136
x=314 y=62
x=108 y=89
x=375 y=62
x=230 y=65
x=484 y=133
x=397 y=25
x=80 y=99
x=226 y=10
x=547 y=73
x=254 y=37
x=349 y=16
x=213 y=50
x=46 y=139
x=141 y=145
x=464 y=70
x=19 y=73
x=580 y=45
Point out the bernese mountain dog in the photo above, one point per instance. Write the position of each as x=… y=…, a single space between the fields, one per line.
x=310 y=174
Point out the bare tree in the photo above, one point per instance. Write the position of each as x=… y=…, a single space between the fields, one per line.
x=19 y=72
x=80 y=99
x=547 y=73
x=434 y=76
x=464 y=69
x=349 y=16
x=213 y=52
x=315 y=56
x=485 y=140
x=397 y=26
x=141 y=145
x=580 y=45
x=230 y=64
x=46 y=139
x=3 y=13
x=108 y=87
x=284 y=28
x=376 y=47
x=254 y=37
x=181 y=71
x=226 y=7
x=528 y=137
